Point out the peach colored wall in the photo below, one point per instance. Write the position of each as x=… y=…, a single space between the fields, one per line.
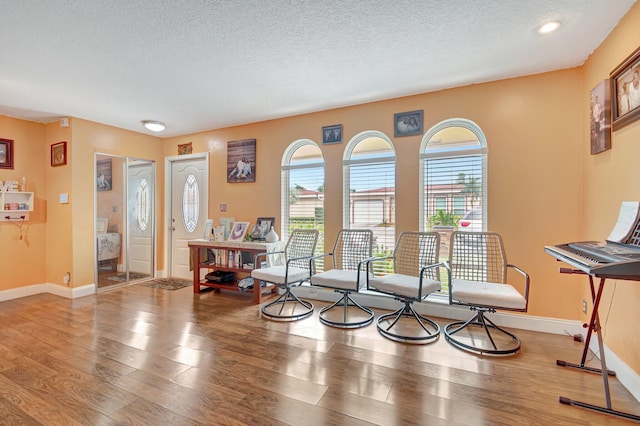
x=534 y=129
x=17 y=256
x=89 y=138
x=59 y=218
x=610 y=178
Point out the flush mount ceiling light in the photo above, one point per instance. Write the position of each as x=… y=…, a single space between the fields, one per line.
x=154 y=126
x=549 y=27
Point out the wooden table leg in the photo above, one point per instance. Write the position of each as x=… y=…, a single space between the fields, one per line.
x=195 y=258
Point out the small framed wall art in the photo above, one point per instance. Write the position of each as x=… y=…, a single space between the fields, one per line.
x=104 y=180
x=6 y=154
x=600 y=118
x=625 y=91
x=407 y=123
x=332 y=134
x=58 y=154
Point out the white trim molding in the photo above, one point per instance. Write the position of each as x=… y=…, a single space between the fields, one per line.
x=58 y=290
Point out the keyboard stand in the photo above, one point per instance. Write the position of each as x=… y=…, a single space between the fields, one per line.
x=594 y=325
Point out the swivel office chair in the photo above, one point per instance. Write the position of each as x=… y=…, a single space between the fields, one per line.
x=296 y=270
x=352 y=248
x=415 y=275
x=478 y=279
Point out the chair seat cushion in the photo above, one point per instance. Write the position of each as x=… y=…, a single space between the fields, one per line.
x=337 y=278
x=404 y=285
x=487 y=294
x=276 y=274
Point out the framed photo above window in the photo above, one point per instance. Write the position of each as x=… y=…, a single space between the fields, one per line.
x=6 y=154
x=625 y=91
x=58 y=154
x=332 y=134
x=407 y=123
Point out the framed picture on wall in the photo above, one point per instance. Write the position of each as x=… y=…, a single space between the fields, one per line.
x=407 y=123
x=6 y=154
x=600 y=118
x=58 y=154
x=625 y=91
x=332 y=134
x=104 y=178
x=241 y=161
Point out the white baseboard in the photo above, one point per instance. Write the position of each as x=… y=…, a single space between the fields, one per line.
x=626 y=376
x=58 y=290
x=439 y=307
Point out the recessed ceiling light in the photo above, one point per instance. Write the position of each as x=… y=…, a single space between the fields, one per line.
x=549 y=27
x=154 y=126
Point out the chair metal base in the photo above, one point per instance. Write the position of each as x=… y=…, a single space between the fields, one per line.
x=511 y=346
x=345 y=302
x=429 y=326
x=293 y=302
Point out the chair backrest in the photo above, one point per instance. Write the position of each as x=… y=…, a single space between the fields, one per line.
x=352 y=246
x=414 y=251
x=477 y=256
x=301 y=243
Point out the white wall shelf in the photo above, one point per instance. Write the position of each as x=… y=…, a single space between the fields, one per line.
x=15 y=205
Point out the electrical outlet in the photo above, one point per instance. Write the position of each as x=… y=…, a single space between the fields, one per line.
x=223 y=207
x=67 y=278
x=584 y=306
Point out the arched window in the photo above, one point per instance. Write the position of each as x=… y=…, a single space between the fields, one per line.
x=453 y=178
x=303 y=189
x=370 y=188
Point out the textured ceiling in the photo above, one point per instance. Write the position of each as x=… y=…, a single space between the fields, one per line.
x=200 y=65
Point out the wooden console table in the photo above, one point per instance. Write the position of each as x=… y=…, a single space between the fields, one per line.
x=201 y=261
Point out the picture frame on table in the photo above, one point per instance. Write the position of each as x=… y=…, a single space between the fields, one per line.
x=625 y=91
x=102 y=223
x=260 y=230
x=408 y=123
x=238 y=231
x=6 y=154
x=332 y=134
x=58 y=154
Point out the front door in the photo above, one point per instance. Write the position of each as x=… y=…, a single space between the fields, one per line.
x=188 y=208
x=140 y=208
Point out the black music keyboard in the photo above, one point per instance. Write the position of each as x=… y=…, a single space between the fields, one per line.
x=600 y=259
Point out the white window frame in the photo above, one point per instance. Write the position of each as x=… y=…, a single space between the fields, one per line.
x=482 y=150
x=285 y=168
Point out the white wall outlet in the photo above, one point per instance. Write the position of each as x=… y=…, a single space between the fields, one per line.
x=584 y=306
x=67 y=278
x=223 y=207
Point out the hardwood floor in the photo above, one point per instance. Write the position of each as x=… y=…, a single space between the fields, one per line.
x=138 y=355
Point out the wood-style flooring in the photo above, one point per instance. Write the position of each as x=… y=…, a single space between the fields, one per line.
x=142 y=356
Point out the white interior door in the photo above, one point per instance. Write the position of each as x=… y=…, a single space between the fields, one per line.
x=188 y=208
x=140 y=208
